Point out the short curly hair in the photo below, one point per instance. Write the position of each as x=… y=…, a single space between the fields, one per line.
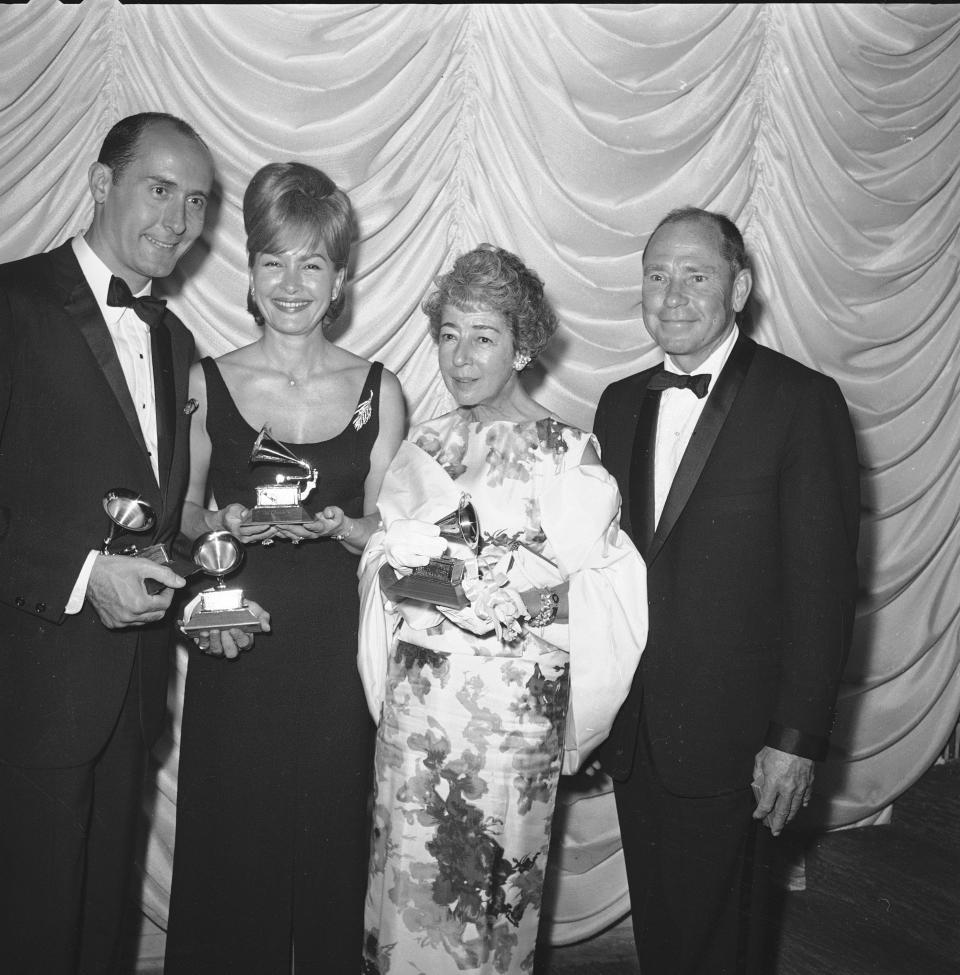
x=489 y=278
x=292 y=204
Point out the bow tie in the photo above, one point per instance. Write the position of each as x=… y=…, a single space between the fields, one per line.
x=699 y=385
x=147 y=308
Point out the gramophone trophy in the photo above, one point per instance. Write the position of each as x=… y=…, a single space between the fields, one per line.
x=128 y=511
x=440 y=581
x=281 y=503
x=218 y=554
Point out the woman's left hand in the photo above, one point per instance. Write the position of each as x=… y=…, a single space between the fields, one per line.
x=328 y=523
x=505 y=608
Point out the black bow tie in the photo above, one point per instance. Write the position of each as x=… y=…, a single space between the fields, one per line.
x=147 y=308
x=699 y=385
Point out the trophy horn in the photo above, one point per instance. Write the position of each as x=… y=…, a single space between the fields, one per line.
x=462 y=525
x=266 y=450
x=218 y=553
x=126 y=510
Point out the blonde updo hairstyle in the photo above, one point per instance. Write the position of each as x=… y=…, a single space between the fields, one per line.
x=292 y=206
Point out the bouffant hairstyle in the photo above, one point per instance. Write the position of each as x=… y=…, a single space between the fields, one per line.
x=732 y=248
x=293 y=206
x=489 y=278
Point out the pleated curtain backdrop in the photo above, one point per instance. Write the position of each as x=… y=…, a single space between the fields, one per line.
x=830 y=132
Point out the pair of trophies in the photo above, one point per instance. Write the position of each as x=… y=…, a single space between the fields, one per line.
x=217 y=553
x=440 y=582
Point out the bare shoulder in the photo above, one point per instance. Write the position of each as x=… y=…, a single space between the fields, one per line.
x=345 y=361
x=389 y=384
x=246 y=357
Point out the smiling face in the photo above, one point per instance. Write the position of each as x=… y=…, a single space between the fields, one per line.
x=148 y=219
x=293 y=289
x=691 y=295
x=476 y=357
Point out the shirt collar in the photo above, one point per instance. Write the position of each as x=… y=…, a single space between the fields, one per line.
x=98 y=277
x=714 y=362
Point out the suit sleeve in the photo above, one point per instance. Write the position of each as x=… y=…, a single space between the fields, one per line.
x=39 y=566
x=42 y=550
x=819 y=496
x=600 y=420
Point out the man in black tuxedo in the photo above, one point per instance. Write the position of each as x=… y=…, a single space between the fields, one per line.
x=93 y=396
x=738 y=472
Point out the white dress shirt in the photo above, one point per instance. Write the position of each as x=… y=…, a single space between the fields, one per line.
x=131 y=339
x=680 y=410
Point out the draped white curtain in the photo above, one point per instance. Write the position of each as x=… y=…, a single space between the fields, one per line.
x=564 y=132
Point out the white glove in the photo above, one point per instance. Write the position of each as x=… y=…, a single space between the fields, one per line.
x=505 y=607
x=498 y=609
x=409 y=543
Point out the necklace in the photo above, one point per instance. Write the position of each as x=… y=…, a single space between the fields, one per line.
x=284 y=371
x=291 y=379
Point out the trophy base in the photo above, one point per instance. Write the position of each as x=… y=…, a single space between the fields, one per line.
x=291 y=514
x=439 y=583
x=221 y=609
x=232 y=619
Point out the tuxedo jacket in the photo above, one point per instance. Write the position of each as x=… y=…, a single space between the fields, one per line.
x=751 y=571
x=68 y=434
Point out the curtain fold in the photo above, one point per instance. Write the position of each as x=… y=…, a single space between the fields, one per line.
x=830 y=132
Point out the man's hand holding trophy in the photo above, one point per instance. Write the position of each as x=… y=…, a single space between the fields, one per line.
x=130 y=585
x=128 y=512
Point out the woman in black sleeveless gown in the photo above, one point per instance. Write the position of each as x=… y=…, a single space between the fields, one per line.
x=276 y=745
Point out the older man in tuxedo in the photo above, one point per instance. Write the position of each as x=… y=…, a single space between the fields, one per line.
x=93 y=396
x=738 y=472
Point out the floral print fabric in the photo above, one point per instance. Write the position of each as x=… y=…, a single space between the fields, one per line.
x=470 y=741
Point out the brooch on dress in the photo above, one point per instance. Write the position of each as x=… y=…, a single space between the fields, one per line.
x=555 y=444
x=191 y=407
x=363 y=412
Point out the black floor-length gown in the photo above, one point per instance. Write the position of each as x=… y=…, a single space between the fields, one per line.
x=276 y=746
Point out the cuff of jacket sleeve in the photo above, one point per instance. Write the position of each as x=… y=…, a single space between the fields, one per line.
x=796 y=742
x=75 y=602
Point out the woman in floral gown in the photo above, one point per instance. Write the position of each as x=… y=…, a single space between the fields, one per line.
x=480 y=706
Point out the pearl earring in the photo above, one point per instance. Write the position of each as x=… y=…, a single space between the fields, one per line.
x=520 y=361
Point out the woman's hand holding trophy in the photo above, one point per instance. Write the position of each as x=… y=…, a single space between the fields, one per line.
x=219 y=620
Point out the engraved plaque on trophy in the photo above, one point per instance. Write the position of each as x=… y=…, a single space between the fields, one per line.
x=219 y=553
x=281 y=503
x=129 y=512
x=440 y=581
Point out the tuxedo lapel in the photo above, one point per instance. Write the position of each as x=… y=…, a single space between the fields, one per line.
x=704 y=436
x=165 y=395
x=175 y=429
x=81 y=306
x=642 y=471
